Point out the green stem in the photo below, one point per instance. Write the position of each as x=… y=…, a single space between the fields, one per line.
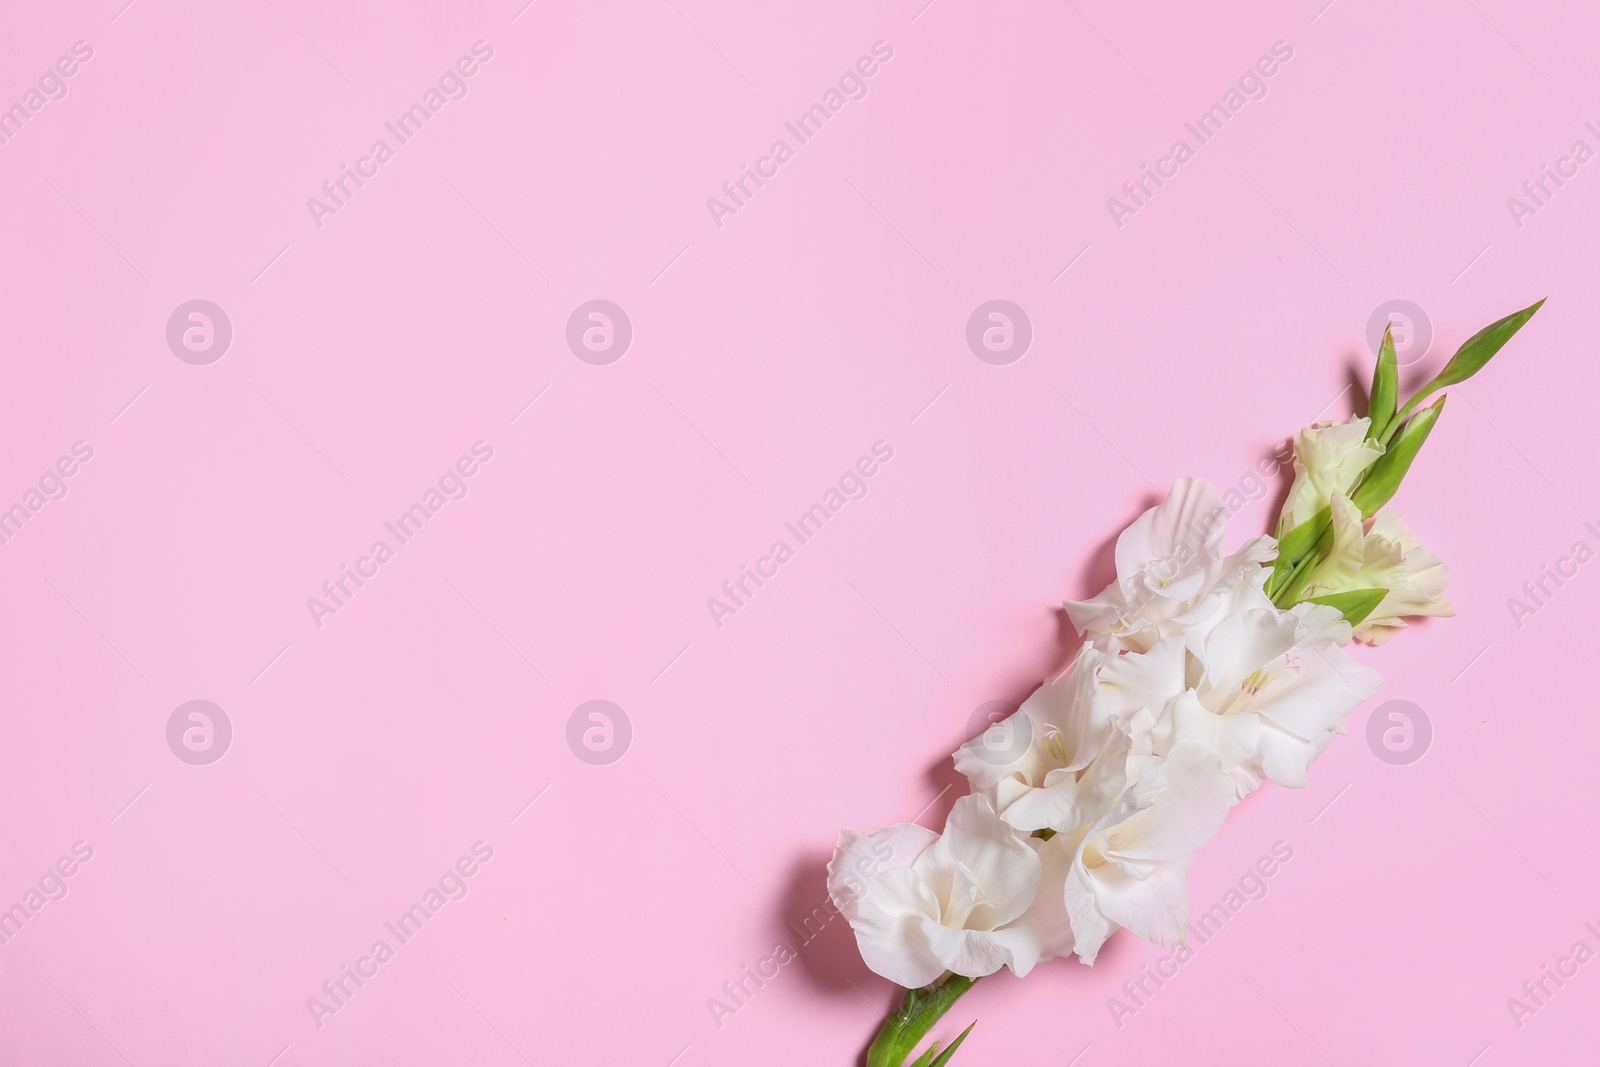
x=1404 y=413
x=1288 y=594
x=911 y=1021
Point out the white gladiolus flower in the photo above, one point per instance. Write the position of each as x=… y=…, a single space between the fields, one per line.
x=1131 y=866
x=1201 y=676
x=1328 y=458
x=922 y=904
x=1055 y=762
x=1171 y=573
x=1267 y=690
x=1380 y=554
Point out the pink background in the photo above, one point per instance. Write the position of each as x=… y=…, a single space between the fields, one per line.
x=768 y=354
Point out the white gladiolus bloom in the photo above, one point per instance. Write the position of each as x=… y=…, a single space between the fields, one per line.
x=1058 y=760
x=1267 y=690
x=1131 y=866
x=1191 y=690
x=1380 y=554
x=1171 y=573
x=1328 y=458
x=922 y=903
x=1201 y=676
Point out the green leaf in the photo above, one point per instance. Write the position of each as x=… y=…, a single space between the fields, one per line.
x=1293 y=546
x=1385 y=390
x=905 y=1028
x=1470 y=358
x=1354 y=605
x=1295 y=543
x=1288 y=591
x=1481 y=346
x=1383 y=477
x=928 y=1060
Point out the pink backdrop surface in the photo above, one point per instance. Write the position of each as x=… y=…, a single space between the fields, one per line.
x=417 y=727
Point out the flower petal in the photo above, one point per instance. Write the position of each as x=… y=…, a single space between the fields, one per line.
x=981 y=856
x=889 y=928
x=860 y=857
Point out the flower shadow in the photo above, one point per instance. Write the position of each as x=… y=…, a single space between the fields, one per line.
x=824 y=947
x=1100 y=569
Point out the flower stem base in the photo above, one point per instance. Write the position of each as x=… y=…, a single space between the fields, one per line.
x=905 y=1028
